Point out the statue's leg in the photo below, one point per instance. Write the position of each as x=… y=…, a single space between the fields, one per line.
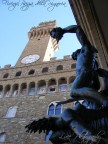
x=80 y=90
x=95 y=83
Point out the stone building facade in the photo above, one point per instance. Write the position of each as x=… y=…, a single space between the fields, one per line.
x=30 y=89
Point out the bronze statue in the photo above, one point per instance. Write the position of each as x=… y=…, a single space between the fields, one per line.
x=85 y=87
x=86 y=82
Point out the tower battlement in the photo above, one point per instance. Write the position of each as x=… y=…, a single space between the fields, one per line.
x=53 y=59
x=43 y=29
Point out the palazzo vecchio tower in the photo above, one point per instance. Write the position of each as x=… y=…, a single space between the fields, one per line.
x=30 y=89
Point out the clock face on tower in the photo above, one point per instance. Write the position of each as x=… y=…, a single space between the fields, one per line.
x=30 y=59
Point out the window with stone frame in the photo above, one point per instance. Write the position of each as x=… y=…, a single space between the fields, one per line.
x=59 y=67
x=73 y=66
x=54 y=109
x=11 y=112
x=51 y=109
x=6 y=75
x=44 y=70
x=31 y=72
x=18 y=74
x=2 y=137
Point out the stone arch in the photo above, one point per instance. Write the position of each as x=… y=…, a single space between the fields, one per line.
x=23 y=91
x=62 y=83
x=7 y=90
x=31 y=90
x=15 y=90
x=73 y=66
x=31 y=72
x=71 y=79
x=59 y=67
x=41 y=87
x=6 y=75
x=52 y=85
x=18 y=73
x=45 y=69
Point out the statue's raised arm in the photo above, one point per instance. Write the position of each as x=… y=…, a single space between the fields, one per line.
x=58 y=33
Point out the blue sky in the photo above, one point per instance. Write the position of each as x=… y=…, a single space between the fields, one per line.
x=18 y=16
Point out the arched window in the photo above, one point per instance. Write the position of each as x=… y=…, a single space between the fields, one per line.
x=18 y=74
x=62 y=84
x=51 y=110
x=44 y=70
x=73 y=66
x=59 y=67
x=31 y=72
x=58 y=109
x=52 y=85
x=1 y=90
x=41 y=87
x=15 y=90
x=2 y=137
x=48 y=135
x=23 y=89
x=7 y=91
x=31 y=89
x=11 y=112
x=54 y=109
x=6 y=75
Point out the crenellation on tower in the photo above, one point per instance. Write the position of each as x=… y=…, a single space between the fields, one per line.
x=7 y=66
x=67 y=57
x=42 y=30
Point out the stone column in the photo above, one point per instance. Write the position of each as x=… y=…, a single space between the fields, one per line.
x=27 y=92
x=3 y=91
x=46 y=86
x=11 y=91
x=36 y=88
